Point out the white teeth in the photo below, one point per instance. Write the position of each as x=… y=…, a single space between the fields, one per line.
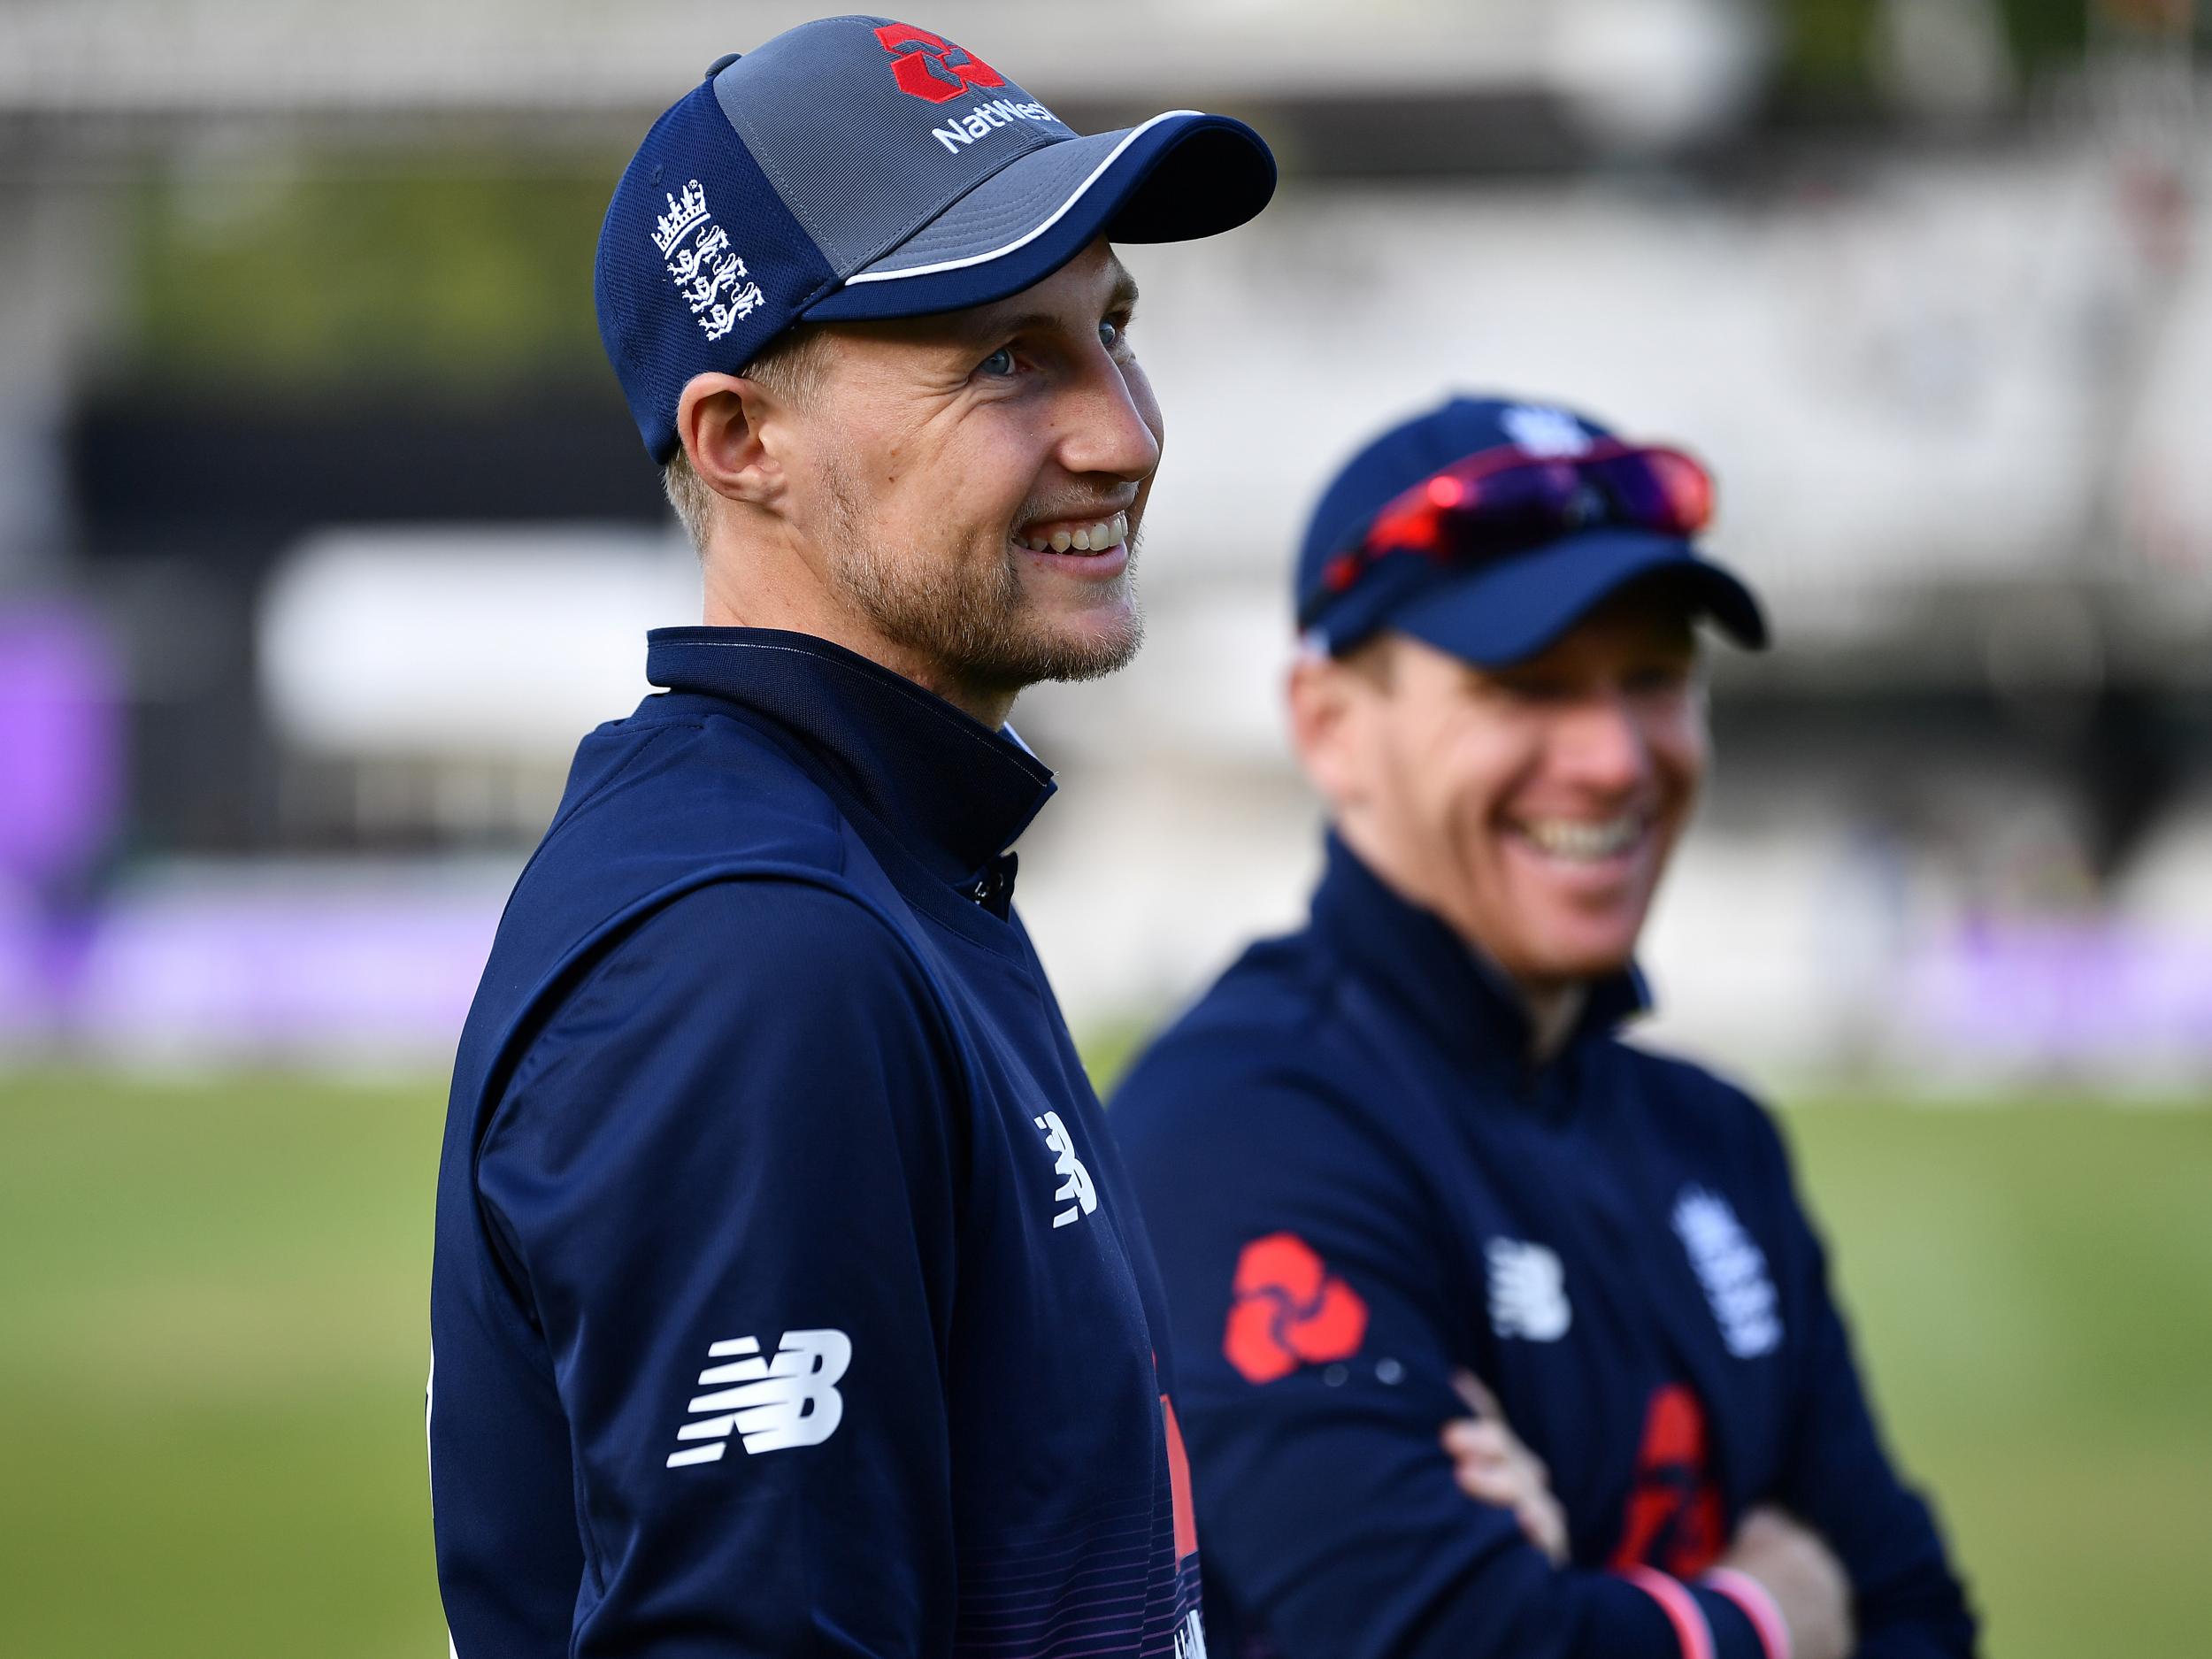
x=1091 y=537
x=1584 y=842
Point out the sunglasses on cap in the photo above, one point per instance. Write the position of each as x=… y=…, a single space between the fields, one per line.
x=1510 y=499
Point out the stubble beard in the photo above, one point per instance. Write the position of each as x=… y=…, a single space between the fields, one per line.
x=970 y=618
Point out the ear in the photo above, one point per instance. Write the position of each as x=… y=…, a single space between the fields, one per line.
x=724 y=422
x=1325 y=700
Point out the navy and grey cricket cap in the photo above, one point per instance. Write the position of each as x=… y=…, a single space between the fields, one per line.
x=1544 y=514
x=855 y=168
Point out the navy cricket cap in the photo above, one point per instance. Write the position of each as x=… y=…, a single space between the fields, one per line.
x=856 y=167
x=1504 y=606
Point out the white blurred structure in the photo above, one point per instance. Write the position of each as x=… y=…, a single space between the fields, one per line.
x=1949 y=389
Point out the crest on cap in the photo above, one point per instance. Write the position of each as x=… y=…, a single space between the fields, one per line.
x=1544 y=431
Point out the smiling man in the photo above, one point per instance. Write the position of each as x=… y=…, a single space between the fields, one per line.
x=1399 y=1167
x=786 y=1296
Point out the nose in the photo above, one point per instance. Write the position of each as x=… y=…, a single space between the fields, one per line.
x=1600 y=745
x=1108 y=423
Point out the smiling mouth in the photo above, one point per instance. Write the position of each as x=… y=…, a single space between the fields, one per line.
x=1585 y=840
x=1098 y=536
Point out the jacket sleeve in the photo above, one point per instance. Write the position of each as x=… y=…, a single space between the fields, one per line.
x=1838 y=1476
x=1316 y=1329
x=721 y=1179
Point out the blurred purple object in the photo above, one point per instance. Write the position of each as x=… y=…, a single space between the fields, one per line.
x=304 y=966
x=60 y=745
x=2065 y=993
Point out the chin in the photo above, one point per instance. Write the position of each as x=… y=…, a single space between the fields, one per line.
x=1106 y=634
x=1572 y=951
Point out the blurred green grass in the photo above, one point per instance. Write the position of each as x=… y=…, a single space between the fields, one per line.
x=210 y=1383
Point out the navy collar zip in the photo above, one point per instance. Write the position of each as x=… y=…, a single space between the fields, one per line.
x=1461 y=999
x=949 y=792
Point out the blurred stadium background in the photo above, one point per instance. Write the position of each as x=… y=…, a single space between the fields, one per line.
x=324 y=534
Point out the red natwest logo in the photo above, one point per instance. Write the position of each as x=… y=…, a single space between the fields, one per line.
x=927 y=65
x=1290 y=1310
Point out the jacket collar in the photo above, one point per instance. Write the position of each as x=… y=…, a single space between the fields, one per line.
x=1418 y=964
x=950 y=789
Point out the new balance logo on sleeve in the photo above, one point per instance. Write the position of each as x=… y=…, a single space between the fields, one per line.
x=789 y=1400
x=1075 y=1180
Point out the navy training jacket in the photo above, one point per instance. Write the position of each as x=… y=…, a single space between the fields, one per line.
x=787 y=1298
x=1356 y=1183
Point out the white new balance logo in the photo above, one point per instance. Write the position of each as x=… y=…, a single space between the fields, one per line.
x=789 y=1400
x=1528 y=1291
x=1075 y=1180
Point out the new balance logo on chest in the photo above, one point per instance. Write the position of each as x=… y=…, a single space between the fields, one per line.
x=1075 y=1190
x=1528 y=1291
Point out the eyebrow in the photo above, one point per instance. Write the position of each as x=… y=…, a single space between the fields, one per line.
x=1121 y=297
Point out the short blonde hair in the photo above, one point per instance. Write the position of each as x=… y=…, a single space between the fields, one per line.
x=791 y=367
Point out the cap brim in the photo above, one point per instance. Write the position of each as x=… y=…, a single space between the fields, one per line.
x=1177 y=177
x=1507 y=613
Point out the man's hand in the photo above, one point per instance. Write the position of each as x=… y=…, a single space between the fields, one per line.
x=1803 y=1576
x=1490 y=1463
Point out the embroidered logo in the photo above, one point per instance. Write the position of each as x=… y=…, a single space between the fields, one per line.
x=1076 y=1190
x=710 y=277
x=1733 y=1270
x=929 y=67
x=1528 y=1291
x=1545 y=431
x=1190 y=1638
x=1289 y=1310
x=791 y=1399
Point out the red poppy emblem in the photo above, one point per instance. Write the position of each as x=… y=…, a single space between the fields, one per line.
x=1290 y=1310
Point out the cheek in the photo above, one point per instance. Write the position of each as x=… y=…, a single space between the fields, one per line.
x=1462 y=782
x=992 y=477
x=1680 y=746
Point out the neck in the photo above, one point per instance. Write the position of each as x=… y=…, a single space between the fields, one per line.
x=1552 y=1005
x=1553 y=1010
x=802 y=607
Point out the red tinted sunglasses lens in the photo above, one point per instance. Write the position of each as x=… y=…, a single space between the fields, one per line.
x=1506 y=498
x=1662 y=489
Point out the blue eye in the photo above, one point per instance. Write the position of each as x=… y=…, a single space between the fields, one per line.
x=999 y=362
x=1109 y=335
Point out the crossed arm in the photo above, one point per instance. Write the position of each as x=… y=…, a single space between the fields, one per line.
x=1806 y=1585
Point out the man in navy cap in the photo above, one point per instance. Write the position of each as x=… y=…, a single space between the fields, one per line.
x=1400 y=1160
x=787 y=1297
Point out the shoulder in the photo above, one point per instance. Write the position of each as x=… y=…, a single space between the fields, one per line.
x=1256 y=1021
x=1683 y=1090
x=1260 y=1071
x=813 y=951
x=1695 y=1119
x=709 y=1021
x=745 y=979
x=684 y=779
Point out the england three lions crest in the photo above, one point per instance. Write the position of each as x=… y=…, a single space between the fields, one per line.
x=709 y=275
x=1733 y=1268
